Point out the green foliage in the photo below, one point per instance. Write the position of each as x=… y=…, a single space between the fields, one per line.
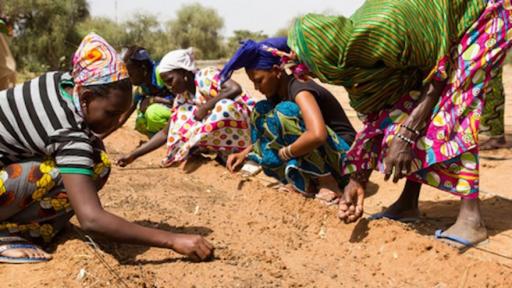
x=199 y=27
x=45 y=31
x=239 y=35
x=144 y=30
x=283 y=32
x=108 y=29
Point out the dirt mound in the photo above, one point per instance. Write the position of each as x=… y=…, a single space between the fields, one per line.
x=266 y=238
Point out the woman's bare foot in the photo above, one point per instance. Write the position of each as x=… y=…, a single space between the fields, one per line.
x=405 y=207
x=469 y=226
x=494 y=143
x=328 y=190
x=17 y=250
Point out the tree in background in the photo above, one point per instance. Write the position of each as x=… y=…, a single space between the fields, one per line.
x=142 y=30
x=49 y=31
x=199 y=27
x=114 y=33
x=240 y=35
x=45 y=31
x=283 y=32
x=146 y=31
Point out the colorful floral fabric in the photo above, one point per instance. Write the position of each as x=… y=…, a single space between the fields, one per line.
x=446 y=155
x=33 y=200
x=274 y=128
x=226 y=128
x=96 y=62
x=385 y=49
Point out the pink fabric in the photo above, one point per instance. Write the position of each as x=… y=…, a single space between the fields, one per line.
x=96 y=62
x=226 y=128
x=447 y=152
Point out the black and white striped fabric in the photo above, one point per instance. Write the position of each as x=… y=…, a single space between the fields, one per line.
x=37 y=118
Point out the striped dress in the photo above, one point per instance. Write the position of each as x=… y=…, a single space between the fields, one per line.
x=387 y=51
x=39 y=119
x=387 y=48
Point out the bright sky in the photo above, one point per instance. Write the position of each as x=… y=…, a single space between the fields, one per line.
x=254 y=15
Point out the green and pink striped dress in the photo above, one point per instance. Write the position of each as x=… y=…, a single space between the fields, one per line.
x=384 y=54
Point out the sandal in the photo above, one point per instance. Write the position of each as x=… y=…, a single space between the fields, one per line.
x=14 y=242
x=457 y=241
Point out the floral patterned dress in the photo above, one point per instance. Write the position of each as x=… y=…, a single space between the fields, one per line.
x=446 y=154
x=225 y=129
x=33 y=201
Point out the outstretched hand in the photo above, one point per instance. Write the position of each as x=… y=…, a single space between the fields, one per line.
x=193 y=246
x=125 y=160
x=352 y=201
x=234 y=161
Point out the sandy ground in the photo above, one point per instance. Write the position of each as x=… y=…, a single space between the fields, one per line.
x=266 y=238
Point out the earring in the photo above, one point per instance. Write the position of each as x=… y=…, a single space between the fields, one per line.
x=186 y=78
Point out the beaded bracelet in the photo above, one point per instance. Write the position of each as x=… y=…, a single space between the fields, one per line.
x=403 y=138
x=411 y=130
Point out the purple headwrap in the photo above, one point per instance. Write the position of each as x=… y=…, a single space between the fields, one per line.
x=255 y=55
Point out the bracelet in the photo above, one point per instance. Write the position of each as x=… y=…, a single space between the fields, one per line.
x=282 y=154
x=410 y=129
x=403 y=138
x=289 y=151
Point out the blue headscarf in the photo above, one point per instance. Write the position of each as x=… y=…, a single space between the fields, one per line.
x=253 y=55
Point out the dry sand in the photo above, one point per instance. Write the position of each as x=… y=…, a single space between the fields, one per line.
x=266 y=238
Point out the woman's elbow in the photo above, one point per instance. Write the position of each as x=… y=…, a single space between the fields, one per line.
x=320 y=137
x=235 y=89
x=90 y=222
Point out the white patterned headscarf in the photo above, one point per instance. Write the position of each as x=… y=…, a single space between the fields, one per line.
x=178 y=59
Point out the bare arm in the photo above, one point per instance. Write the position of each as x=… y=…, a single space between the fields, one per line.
x=316 y=132
x=161 y=100
x=400 y=156
x=429 y=97
x=236 y=159
x=229 y=90
x=93 y=218
x=154 y=143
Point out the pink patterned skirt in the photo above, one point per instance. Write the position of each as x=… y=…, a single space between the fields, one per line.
x=446 y=154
